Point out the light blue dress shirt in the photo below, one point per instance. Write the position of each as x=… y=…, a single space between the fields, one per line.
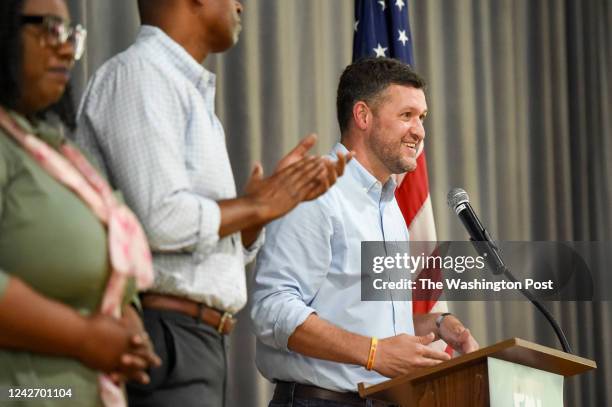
x=148 y=119
x=311 y=263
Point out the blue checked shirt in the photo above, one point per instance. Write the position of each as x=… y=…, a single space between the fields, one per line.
x=148 y=119
x=311 y=264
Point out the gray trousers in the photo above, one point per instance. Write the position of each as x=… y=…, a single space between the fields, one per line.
x=194 y=363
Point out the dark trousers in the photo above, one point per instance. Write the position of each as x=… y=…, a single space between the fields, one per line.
x=288 y=395
x=299 y=402
x=194 y=363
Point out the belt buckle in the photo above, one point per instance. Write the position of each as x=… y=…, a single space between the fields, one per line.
x=224 y=318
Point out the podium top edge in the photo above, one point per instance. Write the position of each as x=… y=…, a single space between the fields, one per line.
x=514 y=350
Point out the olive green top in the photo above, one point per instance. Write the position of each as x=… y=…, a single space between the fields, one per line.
x=49 y=239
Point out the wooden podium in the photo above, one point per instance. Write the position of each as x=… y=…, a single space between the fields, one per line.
x=511 y=373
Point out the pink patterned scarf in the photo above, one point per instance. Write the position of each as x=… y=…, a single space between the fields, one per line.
x=129 y=251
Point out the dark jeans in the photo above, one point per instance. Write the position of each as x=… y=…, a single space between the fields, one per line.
x=194 y=363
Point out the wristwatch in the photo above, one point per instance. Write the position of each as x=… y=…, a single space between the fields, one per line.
x=441 y=318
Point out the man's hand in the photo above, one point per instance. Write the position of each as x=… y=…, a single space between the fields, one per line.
x=304 y=180
x=402 y=354
x=300 y=151
x=333 y=170
x=285 y=189
x=457 y=336
x=297 y=178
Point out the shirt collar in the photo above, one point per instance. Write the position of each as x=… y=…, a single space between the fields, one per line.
x=178 y=56
x=366 y=180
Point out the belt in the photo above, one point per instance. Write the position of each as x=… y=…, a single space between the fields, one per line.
x=223 y=322
x=287 y=391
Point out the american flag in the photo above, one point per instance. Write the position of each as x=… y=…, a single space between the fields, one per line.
x=382 y=29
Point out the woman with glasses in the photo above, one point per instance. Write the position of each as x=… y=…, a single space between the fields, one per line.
x=70 y=254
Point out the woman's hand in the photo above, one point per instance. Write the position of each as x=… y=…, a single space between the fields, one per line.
x=119 y=347
x=142 y=348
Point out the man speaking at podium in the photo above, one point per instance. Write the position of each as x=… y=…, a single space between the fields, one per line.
x=315 y=337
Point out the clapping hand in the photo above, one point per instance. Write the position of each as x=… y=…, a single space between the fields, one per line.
x=297 y=178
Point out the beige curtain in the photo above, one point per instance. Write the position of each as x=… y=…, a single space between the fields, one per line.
x=519 y=92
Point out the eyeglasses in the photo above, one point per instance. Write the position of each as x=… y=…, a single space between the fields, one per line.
x=59 y=32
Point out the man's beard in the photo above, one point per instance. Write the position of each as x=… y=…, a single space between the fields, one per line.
x=390 y=156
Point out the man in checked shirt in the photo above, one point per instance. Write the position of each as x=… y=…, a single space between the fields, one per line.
x=148 y=118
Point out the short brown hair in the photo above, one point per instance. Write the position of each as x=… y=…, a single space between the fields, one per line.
x=366 y=79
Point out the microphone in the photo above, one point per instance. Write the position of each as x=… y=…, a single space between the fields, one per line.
x=459 y=202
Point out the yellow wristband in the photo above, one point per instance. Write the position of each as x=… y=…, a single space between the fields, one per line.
x=372 y=354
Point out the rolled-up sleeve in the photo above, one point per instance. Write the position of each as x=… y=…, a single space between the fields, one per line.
x=291 y=267
x=125 y=125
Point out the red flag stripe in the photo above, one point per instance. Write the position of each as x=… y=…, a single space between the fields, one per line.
x=413 y=190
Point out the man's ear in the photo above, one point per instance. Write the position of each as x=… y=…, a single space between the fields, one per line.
x=362 y=115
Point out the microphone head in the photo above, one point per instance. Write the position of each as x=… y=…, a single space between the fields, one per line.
x=455 y=197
